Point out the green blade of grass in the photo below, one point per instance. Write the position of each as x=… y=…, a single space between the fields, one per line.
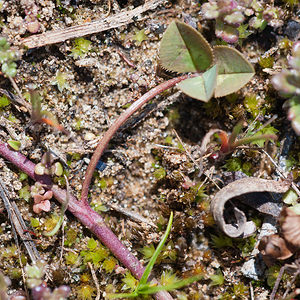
x=170 y=287
x=153 y=259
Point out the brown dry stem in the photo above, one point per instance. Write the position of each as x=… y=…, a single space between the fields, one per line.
x=115 y=21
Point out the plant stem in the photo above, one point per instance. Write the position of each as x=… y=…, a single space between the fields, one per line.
x=117 y=124
x=84 y=213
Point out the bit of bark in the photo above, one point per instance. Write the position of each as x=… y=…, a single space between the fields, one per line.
x=84 y=213
x=117 y=20
x=238 y=188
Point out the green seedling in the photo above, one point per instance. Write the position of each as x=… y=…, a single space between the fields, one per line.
x=217 y=71
x=230 y=142
x=147 y=288
x=42 y=116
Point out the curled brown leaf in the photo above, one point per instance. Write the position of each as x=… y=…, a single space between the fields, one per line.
x=274 y=247
x=236 y=189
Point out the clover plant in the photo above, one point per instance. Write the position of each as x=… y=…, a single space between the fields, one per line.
x=217 y=71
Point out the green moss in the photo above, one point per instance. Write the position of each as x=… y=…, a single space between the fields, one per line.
x=4 y=101
x=168 y=278
x=247 y=245
x=139 y=37
x=221 y=241
x=92 y=244
x=51 y=222
x=109 y=264
x=9 y=252
x=130 y=283
x=24 y=193
x=71 y=258
x=23 y=176
x=169 y=140
x=160 y=173
x=34 y=222
x=85 y=292
x=266 y=62
x=147 y=251
x=217 y=279
x=240 y=290
x=98 y=255
x=71 y=237
x=251 y=103
x=81 y=47
x=77 y=125
x=61 y=81
x=173 y=115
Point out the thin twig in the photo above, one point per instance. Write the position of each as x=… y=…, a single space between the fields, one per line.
x=15 y=99
x=277 y=282
x=95 y=281
x=18 y=226
x=132 y=215
x=117 y=20
x=20 y=100
x=280 y=172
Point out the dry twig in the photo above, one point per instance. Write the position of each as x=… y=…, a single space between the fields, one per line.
x=117 y=20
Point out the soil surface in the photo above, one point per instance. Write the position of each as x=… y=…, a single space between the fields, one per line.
x=151 y=165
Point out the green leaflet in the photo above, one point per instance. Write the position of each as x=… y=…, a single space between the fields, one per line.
x=184 y=49
x=234 y=71
x=201 y=87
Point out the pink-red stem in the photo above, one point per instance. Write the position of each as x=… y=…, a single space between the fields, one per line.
x=84 y=213
x=81 y=209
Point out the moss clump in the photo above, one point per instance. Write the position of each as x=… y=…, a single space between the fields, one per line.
x=85 y=292
x=266 y=62
x=160 y=173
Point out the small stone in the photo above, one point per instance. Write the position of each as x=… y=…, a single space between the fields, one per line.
x=89 y=136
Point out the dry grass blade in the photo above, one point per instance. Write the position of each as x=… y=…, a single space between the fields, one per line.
x=19 y=226
x=117 y=20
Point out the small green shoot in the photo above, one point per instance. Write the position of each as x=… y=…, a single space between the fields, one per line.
x=139 y=37
x=4 y=101
x=42 y=116
x=146 y=288
x=81 y=48
x=217 y=279
x=14 y=144
x=230 y=143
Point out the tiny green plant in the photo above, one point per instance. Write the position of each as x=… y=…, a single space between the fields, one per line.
x=147 y=288
x=7 y=58
x=42 y=116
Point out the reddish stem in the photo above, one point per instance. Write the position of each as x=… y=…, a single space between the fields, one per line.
x=84 y=213
x=117 y=124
